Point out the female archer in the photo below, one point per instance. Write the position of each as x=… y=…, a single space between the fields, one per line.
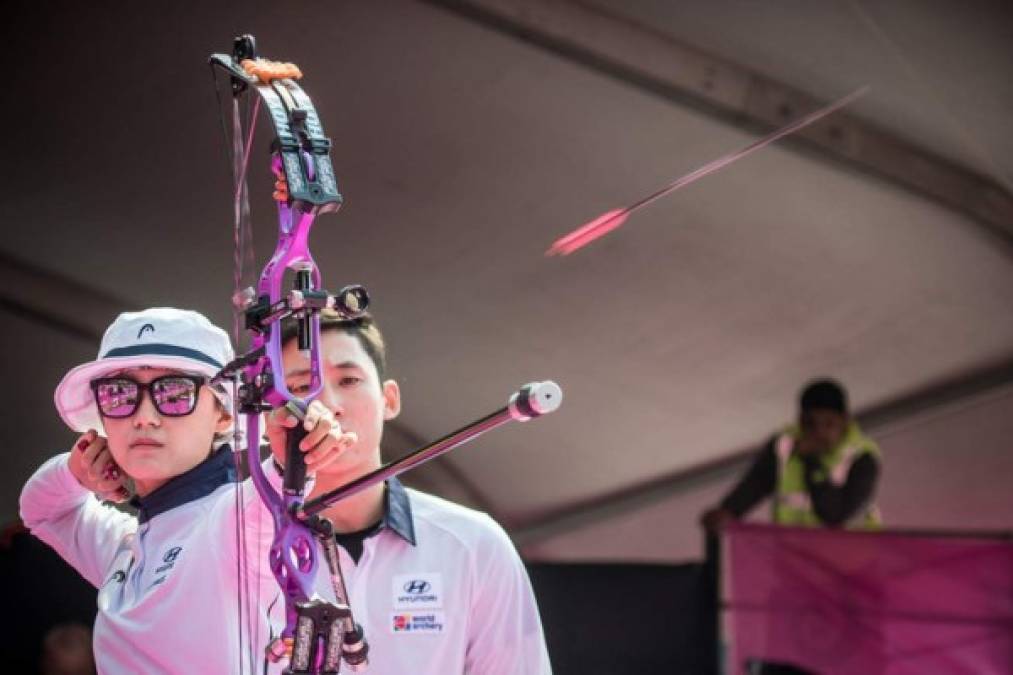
x=151 y=417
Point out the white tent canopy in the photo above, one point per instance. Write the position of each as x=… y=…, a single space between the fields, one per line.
x=470 y=135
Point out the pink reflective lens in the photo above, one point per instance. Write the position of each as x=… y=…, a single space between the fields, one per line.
x=174 y=396
x=117 y=398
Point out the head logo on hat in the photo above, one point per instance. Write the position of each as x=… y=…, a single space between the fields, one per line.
x=185 y=341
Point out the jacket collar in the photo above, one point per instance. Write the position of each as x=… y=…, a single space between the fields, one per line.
x=397 y=511
x=200 y=481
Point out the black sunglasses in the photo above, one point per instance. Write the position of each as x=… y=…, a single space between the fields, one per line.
x=172 y=395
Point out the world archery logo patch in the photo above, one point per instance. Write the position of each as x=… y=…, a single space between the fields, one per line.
x=145 y=327
x=402 y=622
x=417 y=623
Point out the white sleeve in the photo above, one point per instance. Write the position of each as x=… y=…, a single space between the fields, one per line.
x=505 y=631
x=67 y=516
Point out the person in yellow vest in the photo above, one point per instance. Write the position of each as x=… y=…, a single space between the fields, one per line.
x=820 y=472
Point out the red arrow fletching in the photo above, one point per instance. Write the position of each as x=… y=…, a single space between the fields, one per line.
x=588 y=232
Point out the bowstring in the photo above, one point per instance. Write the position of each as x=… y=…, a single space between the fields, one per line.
x=243 y=258
x=243 y=254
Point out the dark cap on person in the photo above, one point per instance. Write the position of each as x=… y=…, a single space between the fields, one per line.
x=824 y=394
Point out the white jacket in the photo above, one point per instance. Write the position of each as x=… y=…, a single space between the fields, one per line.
x=439 y=590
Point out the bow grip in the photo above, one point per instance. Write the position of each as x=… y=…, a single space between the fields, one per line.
x=295 y=460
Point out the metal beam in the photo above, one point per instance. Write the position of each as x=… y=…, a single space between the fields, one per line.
x=929 y=400
x=654 y=62
x=55 y=301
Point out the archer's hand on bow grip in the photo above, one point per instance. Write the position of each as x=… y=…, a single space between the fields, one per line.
x=295 y=461
x=322 y=440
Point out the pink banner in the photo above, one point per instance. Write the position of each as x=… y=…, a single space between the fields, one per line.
x=831 y=601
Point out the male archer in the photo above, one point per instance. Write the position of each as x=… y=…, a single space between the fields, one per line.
x=439 y=588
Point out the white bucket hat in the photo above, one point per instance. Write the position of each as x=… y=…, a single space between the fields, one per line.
x=161 y=337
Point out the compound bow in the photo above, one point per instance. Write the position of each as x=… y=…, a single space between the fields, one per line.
x=318 y=634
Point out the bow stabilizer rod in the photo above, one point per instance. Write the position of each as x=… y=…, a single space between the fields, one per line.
x=530 y=401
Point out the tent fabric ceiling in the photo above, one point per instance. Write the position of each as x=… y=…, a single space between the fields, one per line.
x=939 y=72
x=462 y=153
